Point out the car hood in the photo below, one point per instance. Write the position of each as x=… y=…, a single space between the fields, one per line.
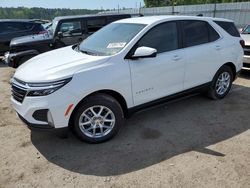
x=30 y=39
x=57 y=64
x=246 y=38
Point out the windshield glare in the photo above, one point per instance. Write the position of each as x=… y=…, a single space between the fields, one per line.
x=110 y=39
x=246 y=30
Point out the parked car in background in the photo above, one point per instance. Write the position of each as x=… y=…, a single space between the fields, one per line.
x=128 y=65
x=245 y=34
x=64 y=31
x=10 y=29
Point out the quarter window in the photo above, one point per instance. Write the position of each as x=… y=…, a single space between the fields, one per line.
x=94 y=25
x=229 y=27
x=163 y=37
x=195 y=33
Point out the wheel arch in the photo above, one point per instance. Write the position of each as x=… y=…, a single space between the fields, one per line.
x=121 y=100
x=233 y=68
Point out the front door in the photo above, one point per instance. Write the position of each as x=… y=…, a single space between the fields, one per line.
x=70 y=32
x=163 y=75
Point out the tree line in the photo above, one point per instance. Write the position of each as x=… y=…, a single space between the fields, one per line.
x=40 y=13
x=160 y=3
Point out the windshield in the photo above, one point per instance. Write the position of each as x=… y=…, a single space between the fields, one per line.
x=52 y=27
x=110 y=39
x=246 y=30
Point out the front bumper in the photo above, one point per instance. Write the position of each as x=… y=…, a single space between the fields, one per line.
x=33 y=126
x=12 y=59
x=56 y=103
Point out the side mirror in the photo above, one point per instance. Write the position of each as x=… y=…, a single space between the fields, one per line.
x=60 y=34
x=144 y=52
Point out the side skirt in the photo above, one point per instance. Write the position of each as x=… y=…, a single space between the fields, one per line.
x=177 y=96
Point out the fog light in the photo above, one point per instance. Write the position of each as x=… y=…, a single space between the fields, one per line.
x=50 y=119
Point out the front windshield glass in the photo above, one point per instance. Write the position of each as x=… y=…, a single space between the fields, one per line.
x=52 y=27
x=110 y=39
x=246 y=30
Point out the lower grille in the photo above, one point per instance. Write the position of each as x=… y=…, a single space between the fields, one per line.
x=18 y=93
x=247 y=53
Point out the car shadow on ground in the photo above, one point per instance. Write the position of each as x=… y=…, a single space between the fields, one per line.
x=153 y=135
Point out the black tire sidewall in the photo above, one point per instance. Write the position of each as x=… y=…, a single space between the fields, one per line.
x=104 y=100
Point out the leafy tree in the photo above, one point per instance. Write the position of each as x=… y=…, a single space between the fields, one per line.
x=40 y=13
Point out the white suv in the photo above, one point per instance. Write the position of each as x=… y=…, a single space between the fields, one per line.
x=127 y=65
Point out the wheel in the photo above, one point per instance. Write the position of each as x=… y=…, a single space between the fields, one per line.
x=98 y=118
x=221 y=84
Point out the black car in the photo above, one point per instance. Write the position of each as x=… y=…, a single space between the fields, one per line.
x=64 y=31
x=10 y=29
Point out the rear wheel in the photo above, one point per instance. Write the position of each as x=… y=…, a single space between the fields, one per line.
x=221 y=84
x=98 y=119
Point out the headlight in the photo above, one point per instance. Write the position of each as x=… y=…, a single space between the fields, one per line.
x=43 y=89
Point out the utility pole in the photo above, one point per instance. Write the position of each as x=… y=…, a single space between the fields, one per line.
x=215 y=7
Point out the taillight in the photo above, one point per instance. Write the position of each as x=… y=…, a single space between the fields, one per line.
x=242 y=43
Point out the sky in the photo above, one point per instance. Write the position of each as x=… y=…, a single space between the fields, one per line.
x=73 y=4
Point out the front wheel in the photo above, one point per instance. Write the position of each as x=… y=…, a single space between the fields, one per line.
x=221 y=84
x=98 y=118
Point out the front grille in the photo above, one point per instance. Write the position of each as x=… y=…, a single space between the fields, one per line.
x=18 y=89
x=18 y=93
x=247 y=52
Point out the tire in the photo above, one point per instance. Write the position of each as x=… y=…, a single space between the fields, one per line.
x=101 y=118
x=223 y=79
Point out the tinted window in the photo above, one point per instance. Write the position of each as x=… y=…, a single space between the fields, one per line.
x=9 y=27
x=195 y=33
x=163 y=37
x=71 y=28
x=111 y=19
x=213 y=35
x=94 y=25
x=229 y=27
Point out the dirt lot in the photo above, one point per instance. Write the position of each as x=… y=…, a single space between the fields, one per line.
x=195 y=142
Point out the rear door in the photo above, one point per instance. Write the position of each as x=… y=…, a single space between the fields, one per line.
x=202 y=48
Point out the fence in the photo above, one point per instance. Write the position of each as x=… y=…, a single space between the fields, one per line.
x=239 y=12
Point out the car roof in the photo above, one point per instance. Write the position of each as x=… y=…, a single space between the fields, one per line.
x=87 y=16
x=154 y=19
x=20 y=20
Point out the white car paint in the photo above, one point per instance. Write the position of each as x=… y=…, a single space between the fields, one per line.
x=138 y=81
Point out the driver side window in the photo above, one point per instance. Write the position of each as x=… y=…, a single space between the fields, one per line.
x=163 y=37
x=71 y=28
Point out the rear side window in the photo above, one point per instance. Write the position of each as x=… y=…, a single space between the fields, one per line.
x=163 y=37
x=195 y=33
x=94 y=25
x=229 y=27
x=213 y=35
x=10 y=27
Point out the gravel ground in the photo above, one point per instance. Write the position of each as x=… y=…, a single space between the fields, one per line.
x=194 y=142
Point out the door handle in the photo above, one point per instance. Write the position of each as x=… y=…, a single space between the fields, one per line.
x=217 y=47
x=176 y=58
